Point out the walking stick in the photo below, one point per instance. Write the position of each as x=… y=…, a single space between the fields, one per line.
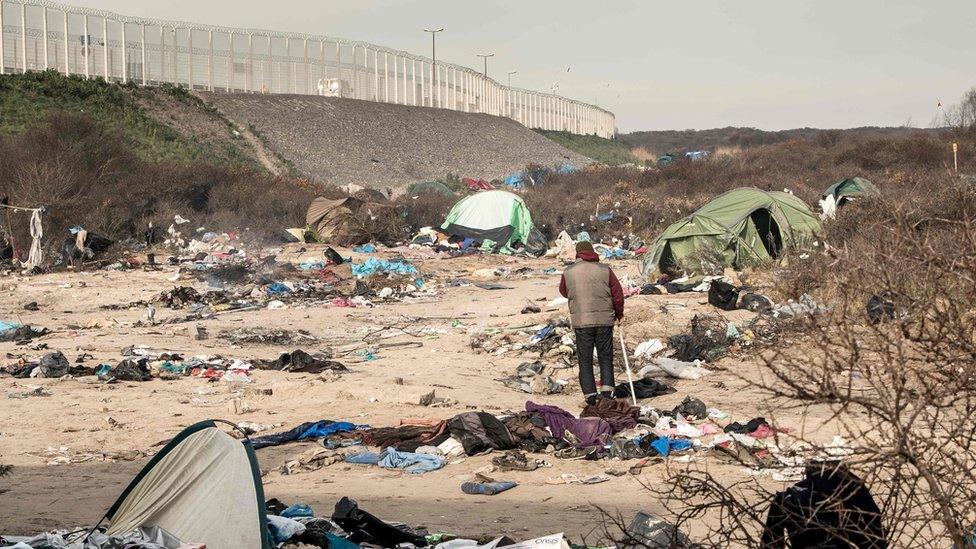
x=630 y=377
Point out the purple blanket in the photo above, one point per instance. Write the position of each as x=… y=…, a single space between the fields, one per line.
x=591 y=431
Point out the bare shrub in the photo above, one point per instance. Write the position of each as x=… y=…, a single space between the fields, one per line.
x=427 y=209
x=85 y=174
x=901 y=386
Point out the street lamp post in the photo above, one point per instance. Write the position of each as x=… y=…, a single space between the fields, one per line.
x=433 y=64
x=510 y=74
x=485 y=56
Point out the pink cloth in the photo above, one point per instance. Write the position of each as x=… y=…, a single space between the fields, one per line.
x=709 y=429
x=764 y=431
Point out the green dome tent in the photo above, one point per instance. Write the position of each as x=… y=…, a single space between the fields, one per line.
x=498 y=216
x=742 y=227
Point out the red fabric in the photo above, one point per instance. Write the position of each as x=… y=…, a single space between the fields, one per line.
x=763 y=431
x=618 y=296
x=562 y=286
x=477 y=184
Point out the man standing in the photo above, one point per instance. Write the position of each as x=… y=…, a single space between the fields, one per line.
x=596 y=302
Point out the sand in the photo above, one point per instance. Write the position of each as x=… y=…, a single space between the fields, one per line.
x=37 y=496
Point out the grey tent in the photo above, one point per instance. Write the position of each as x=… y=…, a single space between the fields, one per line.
x=204 y=487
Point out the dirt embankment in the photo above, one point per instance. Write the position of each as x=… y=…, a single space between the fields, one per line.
x=343 y=141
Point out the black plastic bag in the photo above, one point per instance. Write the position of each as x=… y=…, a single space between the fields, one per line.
x=333 y=256
x=365 y=528
x=723 y=295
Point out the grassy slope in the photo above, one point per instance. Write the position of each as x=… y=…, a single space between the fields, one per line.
x=26 y=99
x=606 y=151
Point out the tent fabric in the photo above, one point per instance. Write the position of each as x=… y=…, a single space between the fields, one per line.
x=498 y=216
x=202 y=487
x=743 y=227
x=842 y=192
x=329 y=218
x=849 y=188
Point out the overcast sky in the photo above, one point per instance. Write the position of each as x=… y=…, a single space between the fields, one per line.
x=770 y=64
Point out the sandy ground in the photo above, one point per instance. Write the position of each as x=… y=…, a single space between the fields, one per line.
x=36 y=496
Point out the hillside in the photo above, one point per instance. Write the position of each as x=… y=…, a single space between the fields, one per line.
x=342 y=141
x=160 y=124
x=605 y=151
x=655 y=143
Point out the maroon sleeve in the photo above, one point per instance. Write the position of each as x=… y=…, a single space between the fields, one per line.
x=618 y=295
x=562 y=286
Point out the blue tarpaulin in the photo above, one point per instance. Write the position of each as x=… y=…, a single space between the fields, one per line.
x=373 y=266
x=666 y=445
x=515 y=180
x=8 y=326
x=278 y=288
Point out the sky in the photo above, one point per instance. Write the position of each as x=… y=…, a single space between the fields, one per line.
x=657 y=65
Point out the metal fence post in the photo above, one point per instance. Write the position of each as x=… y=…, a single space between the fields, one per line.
x=23 y=37
x=67 y=58
x=105 y=67
x=125 y=68
x=3 y=59
x=396 y=79
x=249 y=73
x=189 y=57
x=210 y=61
x=44 y=33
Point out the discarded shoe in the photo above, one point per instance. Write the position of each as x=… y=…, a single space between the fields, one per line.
x=514 y=461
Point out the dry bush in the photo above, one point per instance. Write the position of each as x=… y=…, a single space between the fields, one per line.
x=902 y=390
x=428 y=209
x=86 y=174
x=658 y=196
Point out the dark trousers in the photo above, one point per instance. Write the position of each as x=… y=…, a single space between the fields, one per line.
x=600 y=337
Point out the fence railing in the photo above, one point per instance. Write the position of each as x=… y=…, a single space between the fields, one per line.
x=41 y=35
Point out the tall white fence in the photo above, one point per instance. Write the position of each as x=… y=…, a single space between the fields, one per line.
x=40 y=35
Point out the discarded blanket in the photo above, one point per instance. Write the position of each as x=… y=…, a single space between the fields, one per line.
x=410 y=462
x=300 y=361
x=618 y=413
x=407 y=438
x=311 y=429
x=479 y=431
x=587 y=432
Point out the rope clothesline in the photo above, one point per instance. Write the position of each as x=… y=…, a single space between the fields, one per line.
x=36 y=255
x=22 y=208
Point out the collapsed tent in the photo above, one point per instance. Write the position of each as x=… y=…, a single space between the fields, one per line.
x=843 y=192
x=742 y=227
x=429 y=187
x=346 y=221
x=496 y=216
x=190 y=487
